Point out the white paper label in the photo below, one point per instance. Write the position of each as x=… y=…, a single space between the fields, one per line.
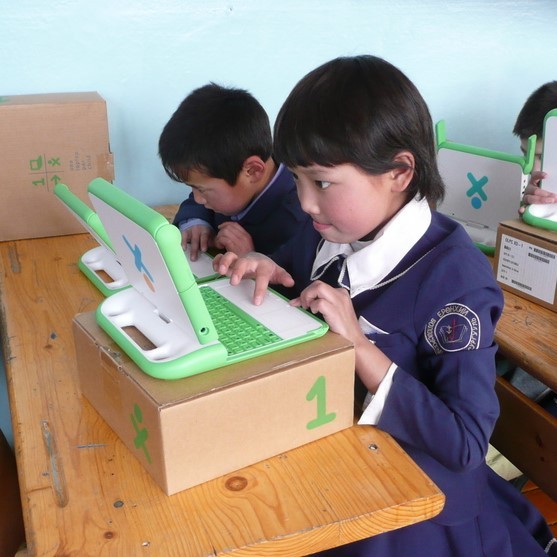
x=527 y=268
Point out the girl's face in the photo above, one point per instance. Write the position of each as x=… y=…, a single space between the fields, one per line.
x=347 y=204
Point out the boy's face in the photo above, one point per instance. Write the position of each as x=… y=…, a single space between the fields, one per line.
x=218 y=195
x=537 y=154
x=345 y=203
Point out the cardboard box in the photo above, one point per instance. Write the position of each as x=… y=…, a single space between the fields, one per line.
x=192 y=430
x=526 y=262
x=45 y=139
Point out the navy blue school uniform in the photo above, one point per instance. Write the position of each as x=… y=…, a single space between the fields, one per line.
x=271 y=219
x=430 y=303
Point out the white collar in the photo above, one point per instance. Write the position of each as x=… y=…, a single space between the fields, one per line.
x=368 y=263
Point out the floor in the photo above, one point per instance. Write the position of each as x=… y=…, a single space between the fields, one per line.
x=544 y=503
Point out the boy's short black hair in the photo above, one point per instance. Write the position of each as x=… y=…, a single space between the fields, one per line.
x=363 y=111
x=214 y=130
x=537 y=105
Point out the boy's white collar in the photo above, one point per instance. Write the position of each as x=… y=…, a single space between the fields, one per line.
x=368 y=263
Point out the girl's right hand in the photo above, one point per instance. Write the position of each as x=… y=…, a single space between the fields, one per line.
x=252 y=265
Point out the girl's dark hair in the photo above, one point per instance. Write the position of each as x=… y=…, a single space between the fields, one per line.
x=530 y=118
x=363 y=111
x=214 y=130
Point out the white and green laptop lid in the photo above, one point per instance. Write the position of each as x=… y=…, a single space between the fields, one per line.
x=545 y=215
x=171 y=326
x=483 y=187
x=98 y=264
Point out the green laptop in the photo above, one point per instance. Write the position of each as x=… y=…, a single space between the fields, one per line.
x=171 y=326
x=482 y=187
x=545 y=215
x=99 y=264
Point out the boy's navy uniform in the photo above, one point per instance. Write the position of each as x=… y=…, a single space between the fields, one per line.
x=431 y=303
x=270 y=220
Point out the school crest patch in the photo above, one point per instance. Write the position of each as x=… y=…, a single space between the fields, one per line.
x=455 y=327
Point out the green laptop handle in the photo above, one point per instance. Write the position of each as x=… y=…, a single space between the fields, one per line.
x=526 y=161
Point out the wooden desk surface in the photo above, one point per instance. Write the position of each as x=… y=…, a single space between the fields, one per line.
x=83 y=492
x=526 y=334
x=525 y=433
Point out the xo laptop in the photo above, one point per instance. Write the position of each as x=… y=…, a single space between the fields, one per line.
x=545 y=215
x=100 y=264
x=171 y=326
x=483 y=187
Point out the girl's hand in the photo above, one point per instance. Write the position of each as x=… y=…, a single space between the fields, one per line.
x=252 y=265
x=335 y=305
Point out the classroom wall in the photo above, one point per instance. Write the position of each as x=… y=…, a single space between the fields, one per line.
x=475 y=62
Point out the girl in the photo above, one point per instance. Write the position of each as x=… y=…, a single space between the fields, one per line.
x=408 y=287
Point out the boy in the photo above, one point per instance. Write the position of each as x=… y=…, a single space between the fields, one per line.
x=219 y=143
x=529 y=122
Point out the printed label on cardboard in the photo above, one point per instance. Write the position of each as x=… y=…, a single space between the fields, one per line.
x=527 y=268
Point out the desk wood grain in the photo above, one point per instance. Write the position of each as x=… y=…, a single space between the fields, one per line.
x=525 y=433
x=84 y=493
x=526 y=334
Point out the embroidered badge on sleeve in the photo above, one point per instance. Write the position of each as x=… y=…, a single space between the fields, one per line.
x=453 y=328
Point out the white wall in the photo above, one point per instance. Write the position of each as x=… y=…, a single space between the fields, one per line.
x=475 y=62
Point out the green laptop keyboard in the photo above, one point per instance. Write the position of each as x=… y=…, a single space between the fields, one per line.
x=237 y=331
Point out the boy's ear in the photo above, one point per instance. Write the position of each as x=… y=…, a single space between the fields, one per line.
x=402 y=177
x=254 y=167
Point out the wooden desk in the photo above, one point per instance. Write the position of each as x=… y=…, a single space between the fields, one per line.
x=527 y=334
x=525 y=433
x=83 y=492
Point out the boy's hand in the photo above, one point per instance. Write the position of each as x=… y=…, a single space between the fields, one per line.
x=200 y=237
x=533 y=194
x=252 y=265
x=234 y=237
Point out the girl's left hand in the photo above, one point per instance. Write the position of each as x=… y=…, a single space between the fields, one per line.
x=335 y=305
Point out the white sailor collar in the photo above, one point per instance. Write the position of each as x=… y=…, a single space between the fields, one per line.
x=368 y=263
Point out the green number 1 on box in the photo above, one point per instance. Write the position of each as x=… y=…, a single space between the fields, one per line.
x=319 y=393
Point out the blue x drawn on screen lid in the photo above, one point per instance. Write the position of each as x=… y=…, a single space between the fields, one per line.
x=137 y=257
x=476 y=189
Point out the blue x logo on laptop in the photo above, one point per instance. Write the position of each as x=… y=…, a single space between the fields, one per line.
x=139 y=265
x=477 y=188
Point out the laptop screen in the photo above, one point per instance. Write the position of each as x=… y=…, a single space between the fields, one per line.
x=549 y=152
x=483 y=187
